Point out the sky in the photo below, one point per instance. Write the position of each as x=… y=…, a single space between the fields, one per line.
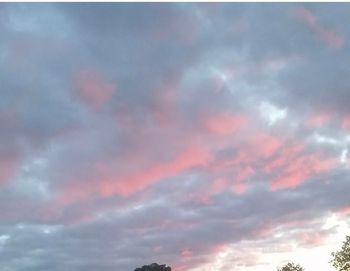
x=207 y=137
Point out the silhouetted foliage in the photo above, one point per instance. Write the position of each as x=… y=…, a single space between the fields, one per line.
x=341 y=258
x=291 y=267
x=154 y=267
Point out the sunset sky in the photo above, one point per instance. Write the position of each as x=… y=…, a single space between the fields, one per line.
x=210 y=137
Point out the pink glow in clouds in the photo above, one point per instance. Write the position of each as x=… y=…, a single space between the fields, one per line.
x=328 y=36
x=300 y=168
x=191 y=157
x=107 y=184
x=164 y=105
x=319 y=119
x=346 y=122
x=186 y=254
x=223 y=124
x=311 y=239
x=240 y=179
x=6 y=170
x=93 y=88
x=286 y=164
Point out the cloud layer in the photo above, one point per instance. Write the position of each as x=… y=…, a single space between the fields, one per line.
x=199 y=135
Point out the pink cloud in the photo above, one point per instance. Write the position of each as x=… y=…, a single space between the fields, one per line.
x=287 y=164
x=191 y=157
x=223 y=124
x=346 y=122
x=239 y=185
x=93 y=88
x=289 y=180
x=186 y=254
x=246 y=162
x=311 y=239
x=285 y=155
x=164 y=108
x=318 y=119
x=306 y=16
x=205 y=194
x=218 y=248
x=255 y=147
x=300 y=168
x=329 y=37
x=106 y=183
x=344 y=212
x=138 y=168
x=218 y=186
x=74 y=192
x=6 y=170
x=265 y=145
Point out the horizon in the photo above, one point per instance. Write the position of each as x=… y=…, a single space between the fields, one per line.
x=207 y=136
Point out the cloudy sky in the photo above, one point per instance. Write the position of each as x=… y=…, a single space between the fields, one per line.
x=208 y=137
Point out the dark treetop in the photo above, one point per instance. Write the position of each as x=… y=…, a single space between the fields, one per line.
x=154 y=267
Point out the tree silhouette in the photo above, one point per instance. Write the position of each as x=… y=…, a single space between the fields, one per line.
x=341 y=258
x=154 y=267
x=291 y=267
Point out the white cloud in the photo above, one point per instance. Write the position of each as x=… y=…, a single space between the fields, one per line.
x=271 y=113
x=3 y=239
x=322 y=139
x=344 y=156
